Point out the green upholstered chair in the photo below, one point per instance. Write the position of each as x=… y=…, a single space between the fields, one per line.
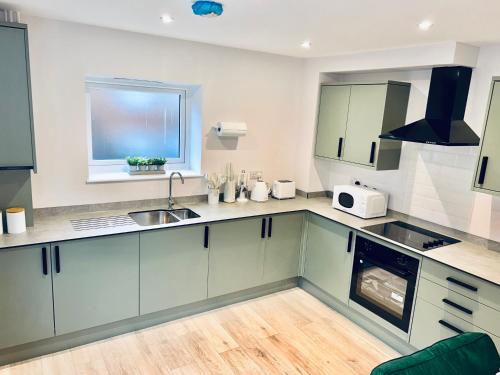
x=470 y=353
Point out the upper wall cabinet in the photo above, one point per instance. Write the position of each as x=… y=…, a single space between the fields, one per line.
x=352 y=116
x=487 y=178
x=16 y=121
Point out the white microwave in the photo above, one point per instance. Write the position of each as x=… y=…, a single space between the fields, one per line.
x=361 y=201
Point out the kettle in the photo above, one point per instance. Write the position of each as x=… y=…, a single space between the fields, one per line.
x=260 y=192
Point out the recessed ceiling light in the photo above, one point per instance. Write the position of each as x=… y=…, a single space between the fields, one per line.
x=425 y=25
x=306 y=44
x=167 y=18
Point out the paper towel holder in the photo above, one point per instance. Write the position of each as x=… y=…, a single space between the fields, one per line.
x=231 y=129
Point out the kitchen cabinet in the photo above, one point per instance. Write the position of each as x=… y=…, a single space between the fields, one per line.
x=236 y=255
x=95 y=281
x=487 y=177
x=26 y=312
x=329 y=254
x=351 y=118
x=174 y=267
x=432 y=324
x=332 y=121
x=16 y=119
x=282 y=249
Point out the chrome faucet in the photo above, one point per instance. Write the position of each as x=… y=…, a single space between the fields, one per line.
x=170 y=199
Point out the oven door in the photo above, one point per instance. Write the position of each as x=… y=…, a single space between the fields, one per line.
x=383 y=286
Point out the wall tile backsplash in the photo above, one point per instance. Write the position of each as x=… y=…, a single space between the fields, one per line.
x=433 y=183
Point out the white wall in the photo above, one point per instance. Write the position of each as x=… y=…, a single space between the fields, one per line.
x=261 y=89
x=433 y=182
x=277 y=96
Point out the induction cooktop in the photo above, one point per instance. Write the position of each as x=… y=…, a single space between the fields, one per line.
x=411 y=235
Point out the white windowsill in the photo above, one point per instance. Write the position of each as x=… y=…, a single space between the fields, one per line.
x=99 y=178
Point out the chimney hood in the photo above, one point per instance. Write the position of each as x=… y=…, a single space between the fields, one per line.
x=443 y=123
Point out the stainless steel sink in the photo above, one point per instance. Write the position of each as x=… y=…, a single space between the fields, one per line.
x=185 y=213
x=158 y=217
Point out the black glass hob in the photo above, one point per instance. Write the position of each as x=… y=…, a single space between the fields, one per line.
x=411 y=235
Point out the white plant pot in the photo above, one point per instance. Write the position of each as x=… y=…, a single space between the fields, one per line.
x=213 y=197
x=133 y=168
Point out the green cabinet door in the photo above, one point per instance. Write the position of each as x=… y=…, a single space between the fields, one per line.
x=332 y=120
x=328 y=263
x=15 y=100
x=490 y=151
x=174 y=268
x=236 y=256
x=96 y=281
x=26 y=312
x=282 y=250
x=366 y=115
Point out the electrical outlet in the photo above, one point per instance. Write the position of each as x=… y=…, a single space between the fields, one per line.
x=355 y=181
x=254 y=175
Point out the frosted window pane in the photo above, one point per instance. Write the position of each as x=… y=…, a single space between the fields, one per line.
x=134 y=123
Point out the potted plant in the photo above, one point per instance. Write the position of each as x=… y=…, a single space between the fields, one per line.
x=143 y=164
x=158 y=163
x=133 y=163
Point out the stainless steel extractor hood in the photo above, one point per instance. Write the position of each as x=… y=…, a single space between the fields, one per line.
x=443 y=123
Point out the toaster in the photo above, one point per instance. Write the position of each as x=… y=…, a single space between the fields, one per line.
x=283 y=189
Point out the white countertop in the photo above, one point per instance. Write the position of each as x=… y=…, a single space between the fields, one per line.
x=466 y=256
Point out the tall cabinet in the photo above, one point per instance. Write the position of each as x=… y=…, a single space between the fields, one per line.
x=17 y=149
x=487 y=177
x=352 y=116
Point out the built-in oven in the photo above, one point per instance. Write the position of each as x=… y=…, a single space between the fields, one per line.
x=383 y=281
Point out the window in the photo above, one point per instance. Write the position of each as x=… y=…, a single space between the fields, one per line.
x=135 y=118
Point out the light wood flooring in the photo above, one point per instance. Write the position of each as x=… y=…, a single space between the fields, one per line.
x=289 y=332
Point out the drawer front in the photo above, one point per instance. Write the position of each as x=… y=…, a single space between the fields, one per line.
x=468 y=309
x=460 y=282
x=427 y=329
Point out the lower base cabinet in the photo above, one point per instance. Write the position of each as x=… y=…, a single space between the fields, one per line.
x=174 y=268
x=328 y=261
x=236 y=255
x=96 y=281
x=282 y=250
x=432 y=324
x=26 y=312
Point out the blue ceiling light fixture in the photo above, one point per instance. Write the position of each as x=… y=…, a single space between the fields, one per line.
x=207 y=8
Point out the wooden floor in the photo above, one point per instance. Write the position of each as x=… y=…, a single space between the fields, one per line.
x=289 y=332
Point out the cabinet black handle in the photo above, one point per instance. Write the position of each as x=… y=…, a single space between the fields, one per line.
x=372 y=153
x=205 y=237
x=449 y=326
x=349 y=241
x=461 y=283
x=457 y=306
x=44 y=261
x=482 y=171
x=263 y=228
x=270 y=228
x=58 y=259
x=339 y=150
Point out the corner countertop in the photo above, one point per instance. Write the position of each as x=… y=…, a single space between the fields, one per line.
x=475 y=259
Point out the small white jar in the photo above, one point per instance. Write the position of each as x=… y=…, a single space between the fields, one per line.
x=16 y=220
x=1 y=222
x=213 y=197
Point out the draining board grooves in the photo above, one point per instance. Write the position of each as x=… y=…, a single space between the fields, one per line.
x=101 y=222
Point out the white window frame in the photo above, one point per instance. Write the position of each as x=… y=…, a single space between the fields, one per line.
x=118 y=165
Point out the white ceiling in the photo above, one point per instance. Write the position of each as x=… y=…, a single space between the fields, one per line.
x=279 y=26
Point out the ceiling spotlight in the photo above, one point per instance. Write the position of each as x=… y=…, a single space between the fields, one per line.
x=167 y=18
x=425 y=25
x=306 y=44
